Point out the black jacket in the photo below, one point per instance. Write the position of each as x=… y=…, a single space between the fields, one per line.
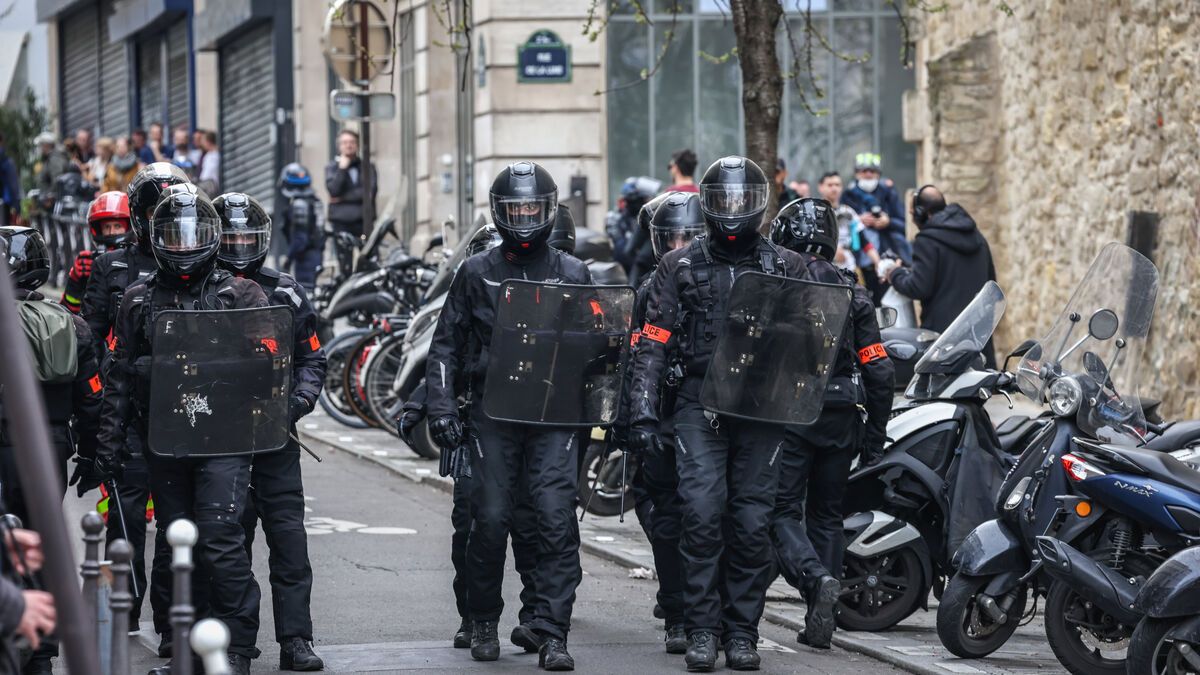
x=345 y=185
x=308 y=358
x=464 y=330
x=679 y=318
x=127 y=385
x=951 y=262
x=112 y=273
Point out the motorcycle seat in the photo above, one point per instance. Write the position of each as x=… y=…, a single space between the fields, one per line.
x=1164 y=467
x=1014 y=431
x=1178 y=435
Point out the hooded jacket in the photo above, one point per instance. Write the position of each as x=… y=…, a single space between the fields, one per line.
x=951 y=262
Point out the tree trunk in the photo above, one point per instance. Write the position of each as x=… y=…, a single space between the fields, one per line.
x=755 y=23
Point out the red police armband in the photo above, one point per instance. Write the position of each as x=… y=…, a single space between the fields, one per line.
x=314 y=343
x=634 y=337
x=872 y=353
x=655 y=333
x=95 y=385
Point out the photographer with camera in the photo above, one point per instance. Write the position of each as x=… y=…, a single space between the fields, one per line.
x=878 y=205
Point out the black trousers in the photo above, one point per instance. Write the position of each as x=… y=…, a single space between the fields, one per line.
x=524 y=548
x=212 y=493
x=727 y=480
x=547 y=458
x=277 y=501
x=807 y=529
x=659 y=510
x=134 y=491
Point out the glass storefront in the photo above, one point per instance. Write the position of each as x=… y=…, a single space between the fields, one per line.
x=694 y=100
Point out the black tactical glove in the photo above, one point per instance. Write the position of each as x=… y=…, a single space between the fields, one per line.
x=447 y=432
x=86 y=477
x=645 y=442
x=871 y=455
x=298 y=407
x=107 y=468
x=406 y=423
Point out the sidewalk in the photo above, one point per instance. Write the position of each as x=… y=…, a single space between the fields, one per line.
x=912 y=646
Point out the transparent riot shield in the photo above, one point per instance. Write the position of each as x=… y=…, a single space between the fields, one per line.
x=556 y=353
x=774 y=354
x=220 y=382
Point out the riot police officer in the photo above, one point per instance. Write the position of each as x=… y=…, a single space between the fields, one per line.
x=276 y=487
x=302 y=217
x=65 y=357
x=112 y=273
x=211 y=491
x=727 y=475
x=523 y=201
x=671 y=221
x=807 y=530
x=108 y=222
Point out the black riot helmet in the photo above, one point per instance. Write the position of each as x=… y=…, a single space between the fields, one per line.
x=144 y=192
x=733 y=195
x=185 y=232
x=245 y=233
x=562 y=235
x=646 y=213
x=807 y=225
x=524 y=200
x=294 y=180
x=677 y=221
x=27 y=255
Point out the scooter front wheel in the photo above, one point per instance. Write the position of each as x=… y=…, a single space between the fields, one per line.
x=965 y=628
x=881 y=591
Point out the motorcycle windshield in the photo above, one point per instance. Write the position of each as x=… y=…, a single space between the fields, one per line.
x=960 y=345
x=1094 y=348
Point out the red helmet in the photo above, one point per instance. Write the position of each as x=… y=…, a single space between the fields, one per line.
x=109 y=206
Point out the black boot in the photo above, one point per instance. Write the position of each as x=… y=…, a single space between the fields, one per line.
x=701 y=656
x=676 y=638
x=741 y=654
x=485 y=646
x=462 y=636
x=527 y=638
x=38 y=665
x=553 y=655
x=297 y=654
x=164 y=646
x=818 y=619
x=239 y=665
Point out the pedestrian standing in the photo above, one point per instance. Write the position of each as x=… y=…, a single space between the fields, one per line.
x=10 y=185
x=878 y=205
x=52 y=162
x=727 y=477
x=83 y=145
x=301 y=217
x=140 y=146
x=210 y=163
x=524 y=201
x=97 y=167
x=344 y=181
x=157 y=144
x=682 y=168
x=807 y=523
x=122 y=168
x=786 y=194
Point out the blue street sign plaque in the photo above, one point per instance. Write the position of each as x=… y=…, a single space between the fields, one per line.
x=544 y=59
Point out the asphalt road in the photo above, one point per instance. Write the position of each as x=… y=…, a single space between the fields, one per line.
x=382 y=602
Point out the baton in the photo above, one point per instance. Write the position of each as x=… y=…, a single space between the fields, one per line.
x=607 y=438
x=306 y=448
x=115 y=496
x=624 y=462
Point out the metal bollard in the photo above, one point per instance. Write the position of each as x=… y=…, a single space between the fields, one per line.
x=210 y=638
x=121 y=602
x=182 y=535
x=93 y=528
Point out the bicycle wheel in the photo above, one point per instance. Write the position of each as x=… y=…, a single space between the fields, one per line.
x=333 y=398
x=352 y=376
x=379 y=381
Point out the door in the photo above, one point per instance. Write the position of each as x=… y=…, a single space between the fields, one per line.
x=79 y=37
x=248 y=135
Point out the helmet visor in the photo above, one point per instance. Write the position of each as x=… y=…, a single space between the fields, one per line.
x=184 y=234
x=667 y=239
x=243 y=245
x=733 y=201
x=524 y=214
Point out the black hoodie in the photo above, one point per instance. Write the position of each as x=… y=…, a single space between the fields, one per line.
x=951 y=262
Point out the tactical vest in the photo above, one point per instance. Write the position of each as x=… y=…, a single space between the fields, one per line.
x=704 y=326
x=128 y=269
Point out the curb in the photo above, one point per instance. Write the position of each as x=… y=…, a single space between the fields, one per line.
x=446 y=485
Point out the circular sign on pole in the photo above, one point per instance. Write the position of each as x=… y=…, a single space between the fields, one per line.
x=357 y=53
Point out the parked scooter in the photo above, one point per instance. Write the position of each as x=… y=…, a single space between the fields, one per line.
x=1167 y=638
x=938 y=477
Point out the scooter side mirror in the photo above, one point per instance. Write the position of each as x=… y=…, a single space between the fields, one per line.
x=1103 y=324
x=886 y=317
x=1021 y=350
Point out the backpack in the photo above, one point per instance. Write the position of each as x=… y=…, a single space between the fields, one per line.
x=50 y=329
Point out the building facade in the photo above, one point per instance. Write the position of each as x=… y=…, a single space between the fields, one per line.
x=1062 y=127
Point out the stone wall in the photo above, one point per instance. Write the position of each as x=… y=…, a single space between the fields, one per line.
x=1050 y=126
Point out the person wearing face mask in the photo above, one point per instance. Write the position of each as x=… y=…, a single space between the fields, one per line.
x=727 y=476
x=951 y=262
x=878 y=205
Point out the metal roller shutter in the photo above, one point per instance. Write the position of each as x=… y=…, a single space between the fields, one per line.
x=150 y=81
x=248 y=116
x=114 y=81
x=80 y=76
x=177 y=76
